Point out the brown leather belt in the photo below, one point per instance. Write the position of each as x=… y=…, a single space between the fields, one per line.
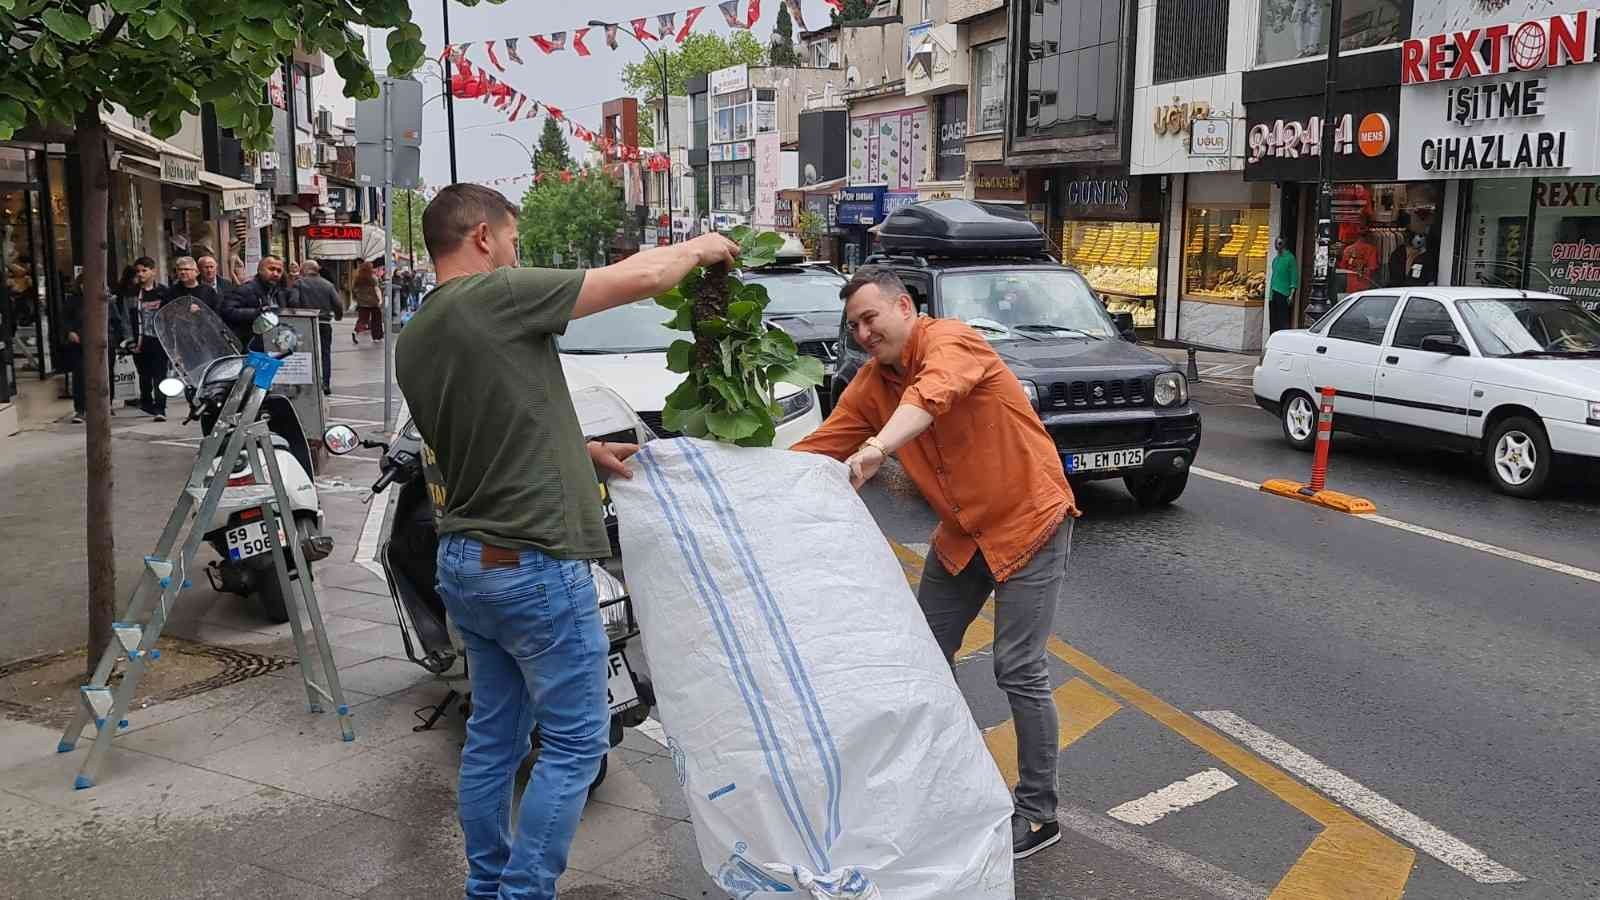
x=492 y=557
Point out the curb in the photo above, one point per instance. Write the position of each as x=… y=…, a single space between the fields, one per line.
x=1333 y=500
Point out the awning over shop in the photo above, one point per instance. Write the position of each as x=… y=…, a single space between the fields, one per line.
x=298 y=218
x=369 y=247
x=235 y=194
x=145 y=144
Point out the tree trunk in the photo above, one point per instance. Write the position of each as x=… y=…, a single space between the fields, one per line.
x=100 y=544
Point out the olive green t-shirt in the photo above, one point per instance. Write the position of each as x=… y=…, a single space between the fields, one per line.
x=479 y=369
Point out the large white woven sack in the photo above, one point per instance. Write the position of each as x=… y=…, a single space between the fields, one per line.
x=822 y=744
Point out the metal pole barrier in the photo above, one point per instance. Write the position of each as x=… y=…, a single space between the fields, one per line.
x=1194 y=370
x=1319 y=463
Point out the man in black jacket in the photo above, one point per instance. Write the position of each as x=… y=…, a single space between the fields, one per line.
x=247 y=301
x=188 y=285
x=318 y=293
x=212 y=278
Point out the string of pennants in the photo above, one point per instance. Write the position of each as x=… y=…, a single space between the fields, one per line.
x=661 y=28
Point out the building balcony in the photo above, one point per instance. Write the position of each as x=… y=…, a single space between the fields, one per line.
x=936 y=59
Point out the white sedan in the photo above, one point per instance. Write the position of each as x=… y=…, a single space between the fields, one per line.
x=625 y=349
x=1511 y=375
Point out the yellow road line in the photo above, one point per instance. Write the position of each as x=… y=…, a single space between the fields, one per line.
x=1348 y=859
x=1078 y=706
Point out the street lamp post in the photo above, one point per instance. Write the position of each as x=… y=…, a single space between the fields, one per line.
x=1323 y=290
x=666 y=117
x=449 y=93
x=532 y=160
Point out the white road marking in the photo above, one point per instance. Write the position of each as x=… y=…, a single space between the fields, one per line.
x=1212 y=879
x=1444 y=536
x=1157 y=805
x=1428 y=838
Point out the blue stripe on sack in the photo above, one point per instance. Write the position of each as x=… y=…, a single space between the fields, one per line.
x=821 y=738
x=744 y=677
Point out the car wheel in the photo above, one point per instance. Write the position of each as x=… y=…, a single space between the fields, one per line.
x=1156 y=490
x=1299 y=419
x=1518 y=457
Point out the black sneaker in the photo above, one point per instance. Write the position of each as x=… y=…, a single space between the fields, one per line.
x=160 y=417
x=1028 y=838
x=77 y=418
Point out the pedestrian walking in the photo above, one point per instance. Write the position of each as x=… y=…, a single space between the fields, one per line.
x=368 y=292
x=188 y=286
x=249 y=300
x=1285 y=281
x=937 y=395
x=479 y=368
x=149 y=357
x=212 y=278
x=318 y=293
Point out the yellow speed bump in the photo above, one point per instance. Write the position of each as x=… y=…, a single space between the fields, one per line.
x=1333 y=500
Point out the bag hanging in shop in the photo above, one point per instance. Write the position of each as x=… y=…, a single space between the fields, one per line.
x=819 y=736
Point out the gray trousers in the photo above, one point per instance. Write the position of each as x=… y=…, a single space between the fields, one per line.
x=1025 y=609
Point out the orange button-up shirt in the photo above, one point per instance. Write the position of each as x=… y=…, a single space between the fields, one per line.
x=986 y=465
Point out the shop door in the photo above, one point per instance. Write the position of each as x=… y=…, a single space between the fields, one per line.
x=1345 y=357
x=1423 y=388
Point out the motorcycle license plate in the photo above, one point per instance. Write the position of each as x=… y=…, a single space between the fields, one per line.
x=250 y=539
x=1100 y=460
x=620 y=691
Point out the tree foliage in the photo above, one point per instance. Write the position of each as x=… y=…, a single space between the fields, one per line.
x=568 y=218
x=407 y=214
x=735 y=360
x=783 y=52
x=159 y=59
x=700 y=54
x=553 y=154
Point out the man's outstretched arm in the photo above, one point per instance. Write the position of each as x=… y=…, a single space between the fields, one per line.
x=649 y=273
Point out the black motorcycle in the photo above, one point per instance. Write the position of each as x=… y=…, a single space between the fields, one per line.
x=409 y=553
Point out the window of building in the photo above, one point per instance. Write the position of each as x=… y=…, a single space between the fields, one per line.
x=1297 y=29
x=989 y=76
x=732 y=114
x=1070 y=57
x=1191 y=39
x=734 y=185
x=702 y=188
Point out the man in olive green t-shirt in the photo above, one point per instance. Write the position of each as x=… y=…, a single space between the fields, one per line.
x=479 y=368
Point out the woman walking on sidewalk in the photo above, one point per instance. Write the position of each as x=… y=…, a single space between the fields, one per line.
x=369 y=303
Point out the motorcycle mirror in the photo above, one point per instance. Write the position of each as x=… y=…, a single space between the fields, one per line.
x=340 y=439
x=170 y=387
x=282 y=341
x=264 y=323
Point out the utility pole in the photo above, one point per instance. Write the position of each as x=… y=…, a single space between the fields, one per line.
x=449 y=95
x=1323 y=292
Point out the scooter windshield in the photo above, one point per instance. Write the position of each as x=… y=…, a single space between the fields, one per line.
x=194 y=337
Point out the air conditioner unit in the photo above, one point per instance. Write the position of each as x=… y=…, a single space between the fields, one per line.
x=324 y=121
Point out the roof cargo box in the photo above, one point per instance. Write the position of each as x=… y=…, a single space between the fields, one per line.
x=960 y=228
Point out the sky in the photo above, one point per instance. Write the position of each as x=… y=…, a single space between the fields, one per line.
x=577 y=85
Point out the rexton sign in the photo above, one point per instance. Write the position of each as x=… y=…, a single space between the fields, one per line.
x=1560 y=40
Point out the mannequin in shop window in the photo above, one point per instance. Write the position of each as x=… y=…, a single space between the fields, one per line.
x=1413 y=263
x=1360 y=262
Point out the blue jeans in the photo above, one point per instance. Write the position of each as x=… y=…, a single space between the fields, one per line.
x=536 y=650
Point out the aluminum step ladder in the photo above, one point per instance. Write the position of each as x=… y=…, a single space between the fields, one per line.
x=166 y=571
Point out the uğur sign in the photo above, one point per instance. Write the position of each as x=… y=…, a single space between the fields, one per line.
x=1560 y=40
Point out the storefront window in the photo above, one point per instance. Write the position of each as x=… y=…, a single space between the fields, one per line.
x=1386 y=235
x=1119 y=260
x=1497 y=233
x=735 y=186
x=1225 y=254
x=1565 y=256
x=990 y=77
x=1297 y=29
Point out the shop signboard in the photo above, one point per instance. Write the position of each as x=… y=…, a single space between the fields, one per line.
x=861 y=205
x=889 y=148
x=999 y=183
x=729 y=80
x=769 y=153
x=952 y=159
x=1284 y=137
x=1509 y=98
x=1210 y=137
x=261 y=210
x=180 y=170
x=1108 y=194
x=894 y=201
x=333 y=232
x=238 y=198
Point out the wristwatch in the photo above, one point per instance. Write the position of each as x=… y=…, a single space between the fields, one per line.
x=877 y=445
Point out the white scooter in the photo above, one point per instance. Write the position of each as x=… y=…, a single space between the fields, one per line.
x=208 y=360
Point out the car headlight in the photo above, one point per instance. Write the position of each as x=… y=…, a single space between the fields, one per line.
x=795 y=405
x=1032 y=390
x=1171 y=389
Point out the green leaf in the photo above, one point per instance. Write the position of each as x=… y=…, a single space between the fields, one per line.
x=671 y=299
x=803 y=372
x=741 y=309
x=680 y=356
x=285 y=28
x=729 y=391
x=763 y=436
x=778 y=340
x=124 y=6
x=266 y=10
x=44 y=54
x=258 y=32
x=68 y=26
x=213 y=91
x=734 y=426
x=7 y=5
x=769 y=242
x=685 y=421
x=684 y=320
x=684 y=396
x=161 y=24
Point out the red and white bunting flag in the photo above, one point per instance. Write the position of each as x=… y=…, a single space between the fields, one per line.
x=730 y=13
x=449 y=51
x=836 y=4
x=511 y=50
x=533 y=109
x=665 y=23
x=551 y=44
x=555 y=112
x=688 y=22
x=611 y=36
x=489 y=47
x=754 y=15
x=521 y=99
x=577 y=42
x=641 y=32
x=795 y=14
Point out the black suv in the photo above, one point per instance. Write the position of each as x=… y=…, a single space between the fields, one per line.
x=1114 y=409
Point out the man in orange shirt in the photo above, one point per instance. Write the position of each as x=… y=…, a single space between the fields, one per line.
x=936 y=395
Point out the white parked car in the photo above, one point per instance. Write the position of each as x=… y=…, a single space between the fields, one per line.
x=1511 y=375
x=625 y=349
